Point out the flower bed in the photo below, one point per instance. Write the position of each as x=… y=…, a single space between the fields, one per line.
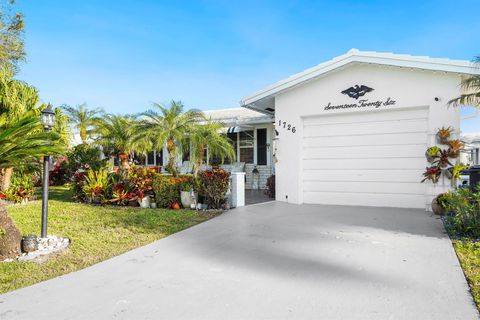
x=102 y=187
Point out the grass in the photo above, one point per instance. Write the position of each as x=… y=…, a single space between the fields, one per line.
x=468 y=252
x=97 y=233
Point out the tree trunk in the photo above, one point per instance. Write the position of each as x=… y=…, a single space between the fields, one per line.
x=124 y=165
x=172 y=161
x=83 y=135
x=10 y=237
x=6 y=177
x=199 y=161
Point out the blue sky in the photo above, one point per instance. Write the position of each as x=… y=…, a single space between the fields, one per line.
x=122 y=55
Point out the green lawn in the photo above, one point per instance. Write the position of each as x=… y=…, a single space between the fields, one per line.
x=468 y=253
x=97 y=233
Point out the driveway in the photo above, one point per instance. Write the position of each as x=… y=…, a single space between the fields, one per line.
x=270 y=261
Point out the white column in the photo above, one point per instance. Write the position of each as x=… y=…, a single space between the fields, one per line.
x=238 y=189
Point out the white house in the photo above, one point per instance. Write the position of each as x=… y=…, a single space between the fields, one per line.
x=354 y=130
x=252 y=133
x=471 y=152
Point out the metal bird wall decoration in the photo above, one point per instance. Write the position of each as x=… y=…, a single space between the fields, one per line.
x=357 y=91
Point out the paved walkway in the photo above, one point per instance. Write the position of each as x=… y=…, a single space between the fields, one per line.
x=270 y=261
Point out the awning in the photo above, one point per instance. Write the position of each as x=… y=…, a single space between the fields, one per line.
x=238 y=129
x=233 y=129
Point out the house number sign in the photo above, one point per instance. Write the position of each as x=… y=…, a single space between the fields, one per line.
x=287 y=126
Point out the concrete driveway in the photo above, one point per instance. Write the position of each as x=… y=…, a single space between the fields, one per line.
x=270 y=261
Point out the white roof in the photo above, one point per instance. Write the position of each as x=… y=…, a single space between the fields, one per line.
x=470 y=137
x=238 y=116
x=264 y=98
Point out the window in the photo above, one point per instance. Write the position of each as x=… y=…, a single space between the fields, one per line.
x=261 y=146
x=186 y=155
x=159 y=158
x=151 y=158
x=246 y=142
x=139 y=159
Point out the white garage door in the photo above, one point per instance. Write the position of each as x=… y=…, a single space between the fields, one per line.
x=365 y=158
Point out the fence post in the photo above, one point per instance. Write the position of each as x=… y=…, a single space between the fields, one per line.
x=238 y=189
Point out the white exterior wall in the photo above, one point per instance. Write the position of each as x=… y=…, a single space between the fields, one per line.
x=410 y=88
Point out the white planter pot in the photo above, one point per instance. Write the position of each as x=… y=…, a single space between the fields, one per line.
x=187 y=199
x=145 y=202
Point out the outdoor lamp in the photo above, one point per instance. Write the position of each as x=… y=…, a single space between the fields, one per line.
x=48 y=121
x=48 y=118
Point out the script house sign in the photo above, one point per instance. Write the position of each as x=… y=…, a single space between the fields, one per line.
x=356 y=92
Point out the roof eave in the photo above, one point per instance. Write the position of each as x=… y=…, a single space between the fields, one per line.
x=353 y=56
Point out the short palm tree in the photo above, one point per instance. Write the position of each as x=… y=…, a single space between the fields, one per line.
x=471 y=88
x=170 y=126
x=22 y=141
x=209 y=135
x=116 y=134
x=83 y=119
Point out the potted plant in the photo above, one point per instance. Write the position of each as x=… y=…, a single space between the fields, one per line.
x=443 y=160
x=432 y=153
x=454 y=148
x=144 y=201
x=153 y=204
x=187 y=194
x=432 y=173
x=456 y=171
x=437 y=204
x=443 y=134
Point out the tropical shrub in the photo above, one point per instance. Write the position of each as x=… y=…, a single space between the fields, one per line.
x=21 y=188
x=61 y=173
x=123 y=194
x=463 y=212
x=213 y=185
x=167 y=188
x=142 y=179
x=78 y=182
x=85 y=157
x=96 y=185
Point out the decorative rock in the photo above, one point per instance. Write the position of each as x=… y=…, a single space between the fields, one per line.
x=46 y=248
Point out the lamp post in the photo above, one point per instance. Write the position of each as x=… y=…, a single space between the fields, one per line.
x=48 y=121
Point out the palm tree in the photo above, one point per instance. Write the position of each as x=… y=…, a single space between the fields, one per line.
x=16 y=97
x=170 y=126
x=116 y=134
x=83 y=119
x=471 y=87
x=19 y=100
x=208 y=135
x=61 y=126
x=22 y=141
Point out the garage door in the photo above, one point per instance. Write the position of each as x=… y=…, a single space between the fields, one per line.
x=365 y=158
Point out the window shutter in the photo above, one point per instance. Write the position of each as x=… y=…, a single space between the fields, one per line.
x=261 y=146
